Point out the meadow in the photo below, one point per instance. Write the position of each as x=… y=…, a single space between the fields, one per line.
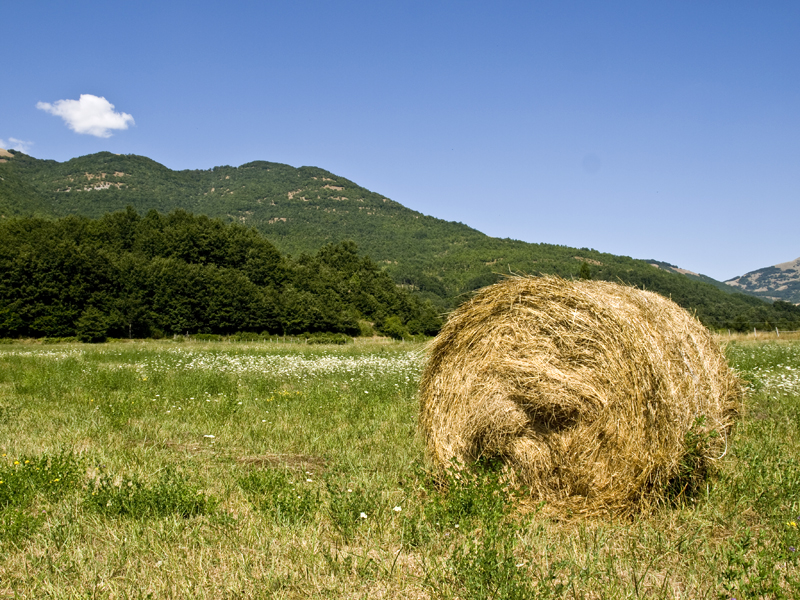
x=266 y=470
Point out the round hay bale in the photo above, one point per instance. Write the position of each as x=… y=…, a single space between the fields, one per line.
x=586 y=390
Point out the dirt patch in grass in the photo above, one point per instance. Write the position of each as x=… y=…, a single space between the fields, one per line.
x=299 y=462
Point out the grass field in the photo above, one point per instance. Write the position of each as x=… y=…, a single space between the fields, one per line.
x=188 y=470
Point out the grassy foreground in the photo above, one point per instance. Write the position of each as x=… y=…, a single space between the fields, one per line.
x=166 y=470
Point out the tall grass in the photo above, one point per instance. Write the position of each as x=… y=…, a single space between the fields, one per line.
x=282 y=471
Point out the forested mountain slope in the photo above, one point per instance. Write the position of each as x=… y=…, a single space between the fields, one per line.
x=302 y=209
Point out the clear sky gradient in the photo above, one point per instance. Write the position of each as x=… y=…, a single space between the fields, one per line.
x=665 y=129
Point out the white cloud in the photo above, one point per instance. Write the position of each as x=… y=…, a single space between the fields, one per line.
x=15 y=144
x=93 y=115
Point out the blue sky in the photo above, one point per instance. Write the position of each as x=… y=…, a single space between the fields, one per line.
x=664 y=129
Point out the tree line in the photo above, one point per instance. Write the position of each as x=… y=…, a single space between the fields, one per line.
x=127 y=275
x=131 y=275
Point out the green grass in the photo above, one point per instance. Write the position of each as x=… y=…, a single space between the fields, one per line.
x=235 y=470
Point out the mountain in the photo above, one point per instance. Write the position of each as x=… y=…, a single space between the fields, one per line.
x=697 y=277
x=302 y=209
x=778 y=282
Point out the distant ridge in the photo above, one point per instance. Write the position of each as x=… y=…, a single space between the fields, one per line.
x=697 y=277
x=778 y=282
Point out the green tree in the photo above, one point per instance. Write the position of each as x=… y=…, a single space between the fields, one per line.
x=394 y=328
x=92 y=326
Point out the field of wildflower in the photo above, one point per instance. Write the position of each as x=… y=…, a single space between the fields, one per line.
x=267 y=470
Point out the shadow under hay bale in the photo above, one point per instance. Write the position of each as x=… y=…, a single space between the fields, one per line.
x=585 y=389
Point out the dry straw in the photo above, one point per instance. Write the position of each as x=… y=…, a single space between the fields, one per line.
x=585 y=389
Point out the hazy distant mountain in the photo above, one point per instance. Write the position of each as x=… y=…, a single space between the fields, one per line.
x=302 y=209
x=778 y=282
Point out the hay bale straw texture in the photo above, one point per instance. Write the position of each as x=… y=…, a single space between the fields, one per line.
x=585 y=389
